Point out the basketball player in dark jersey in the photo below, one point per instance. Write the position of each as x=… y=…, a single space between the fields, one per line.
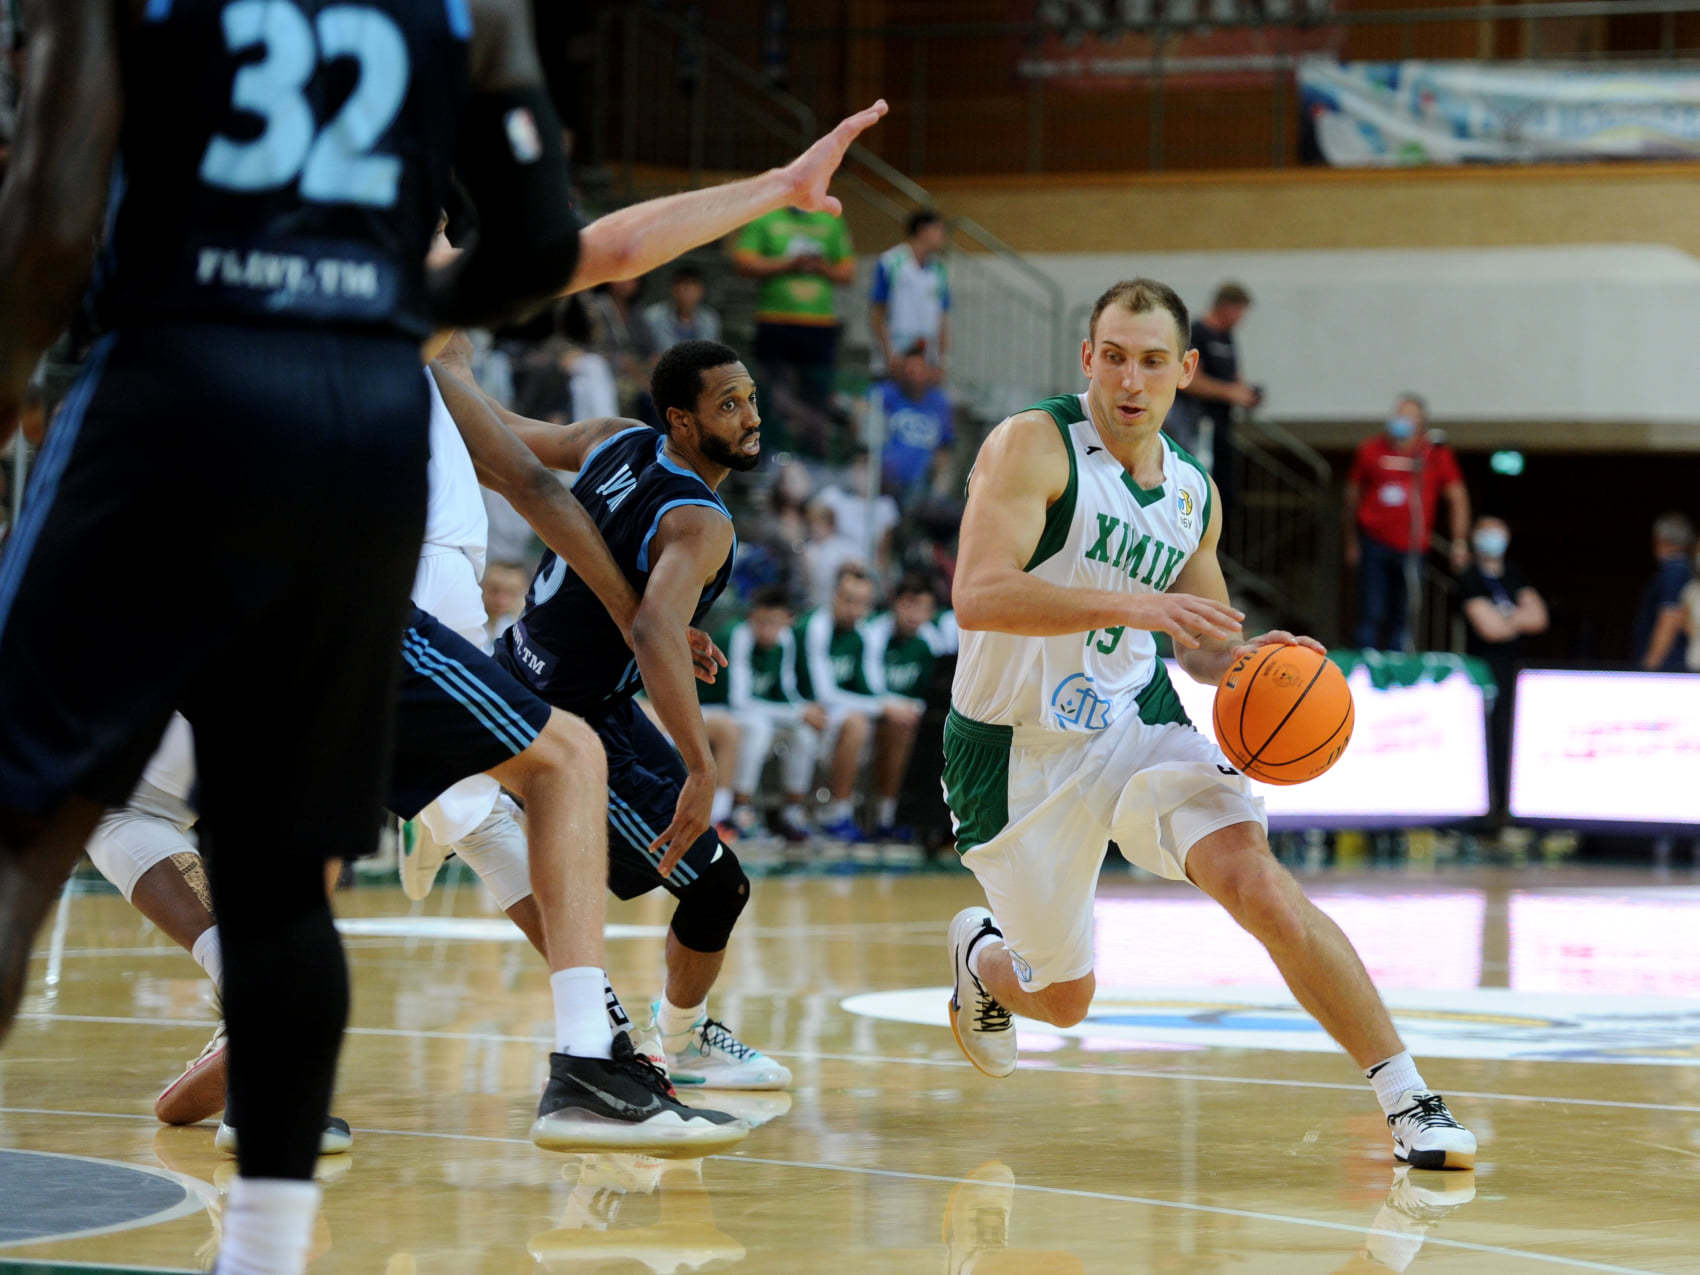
x=254 y=417
x=654 y=497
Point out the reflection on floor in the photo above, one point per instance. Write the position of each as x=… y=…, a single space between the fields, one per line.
x=1195 y=1122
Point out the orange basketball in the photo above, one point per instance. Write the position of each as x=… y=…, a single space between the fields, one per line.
x=1283 y=714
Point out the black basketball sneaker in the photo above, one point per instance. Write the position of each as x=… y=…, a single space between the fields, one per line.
x=622 y=1103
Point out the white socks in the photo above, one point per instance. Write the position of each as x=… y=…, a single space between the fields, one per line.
x=582 y=1028
x=835 y=810
x=674 y=1021
x=209 y=956
x=722 y=805
x=268 y=1226
x=1393 y=1078
x=887 y=811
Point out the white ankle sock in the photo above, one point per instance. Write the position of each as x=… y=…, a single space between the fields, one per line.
x=268 y=1227
x=618 y=1019
x=1393 y=1078
x=795 y=815
x=835 y=810
x=722 y=805
x=209 y=956
x=581 y=1012
x=674 y=1021
x=887 y=811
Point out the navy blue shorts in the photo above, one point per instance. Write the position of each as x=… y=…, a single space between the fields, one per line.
x=459 y=713
x=224 y=519
x=645 y=775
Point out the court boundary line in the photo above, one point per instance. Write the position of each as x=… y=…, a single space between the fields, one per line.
x=806 y=1055
x=1220 y=1210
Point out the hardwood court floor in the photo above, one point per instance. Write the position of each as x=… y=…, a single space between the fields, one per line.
x=1195 y=1123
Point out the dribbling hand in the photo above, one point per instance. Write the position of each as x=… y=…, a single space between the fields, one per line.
x=1276 y=637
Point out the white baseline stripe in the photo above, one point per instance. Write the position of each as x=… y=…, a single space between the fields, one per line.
x=1219 y=1210
x=809 y=1055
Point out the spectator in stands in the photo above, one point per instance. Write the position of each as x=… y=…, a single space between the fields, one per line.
x=903 y=648
x=504 y=585
x=622 y=336
x=910 y=299
x=833 y=671
x=1502 y=608
x=862 y=518
x=801 y=259
x=761 y=692
x=1691 y=615
x=912 y=416
x=562 y=379
x=683 y=316
x=1392 y=493
x=1661 y=643
x=1217 y=388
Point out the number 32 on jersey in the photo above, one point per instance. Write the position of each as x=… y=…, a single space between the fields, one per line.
x=336 y=164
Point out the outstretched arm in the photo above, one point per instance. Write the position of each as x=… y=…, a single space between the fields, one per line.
x=636 y=240
x=507 y=466
x=1023 y=470
x=50 y=206
x=689 y=546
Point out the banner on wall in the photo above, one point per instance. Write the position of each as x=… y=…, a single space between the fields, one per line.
x=1099 y=45
x=1370 y=114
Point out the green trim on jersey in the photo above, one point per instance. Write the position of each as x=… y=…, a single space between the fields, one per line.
x=1209 y=487
x=976 y=778
x=1146 y=496
x=1065 y=410
x=1159 y=704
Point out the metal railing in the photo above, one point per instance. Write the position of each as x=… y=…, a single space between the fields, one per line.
x=674 y=109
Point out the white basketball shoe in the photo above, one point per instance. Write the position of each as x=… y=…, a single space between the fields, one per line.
x=707 y=1054
x=1426 y=1136
x=984 y=1029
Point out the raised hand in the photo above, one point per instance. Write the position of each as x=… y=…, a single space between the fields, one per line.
x=808 y=176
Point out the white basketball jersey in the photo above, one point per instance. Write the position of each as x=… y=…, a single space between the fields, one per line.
x=1104 y=532
x=454 y=511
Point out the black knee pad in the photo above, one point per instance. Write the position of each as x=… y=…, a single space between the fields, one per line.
x=709 y=906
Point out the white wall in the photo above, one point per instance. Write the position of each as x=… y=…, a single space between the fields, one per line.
x=1576 y=334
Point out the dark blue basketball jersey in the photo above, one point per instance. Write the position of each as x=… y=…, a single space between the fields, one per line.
x=283 y=160
x=565 y=643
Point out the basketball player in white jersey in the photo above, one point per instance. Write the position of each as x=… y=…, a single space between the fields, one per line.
x=1087 y=530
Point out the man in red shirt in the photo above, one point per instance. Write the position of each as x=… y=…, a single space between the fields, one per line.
x=1396 y=482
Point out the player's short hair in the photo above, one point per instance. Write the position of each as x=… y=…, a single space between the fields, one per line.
x=770 y=597
x=920 y=219
x=913 y=583
x=677 y=379
x=1674 y=528
x=851 y=571
x=1231 y=293
x=686 y=273
x=1142 y=296
x=1415 y=400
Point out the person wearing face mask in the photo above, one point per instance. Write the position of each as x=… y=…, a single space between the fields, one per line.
x=1392 y=492
x=1502 y=608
